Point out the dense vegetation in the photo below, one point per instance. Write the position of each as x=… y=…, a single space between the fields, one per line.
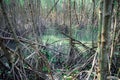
x=59 y=39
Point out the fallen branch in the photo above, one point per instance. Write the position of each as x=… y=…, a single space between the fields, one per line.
x=74 y=40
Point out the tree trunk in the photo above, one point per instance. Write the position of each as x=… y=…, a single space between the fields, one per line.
x=99 y=39
x=71 y=55
x=104 y=71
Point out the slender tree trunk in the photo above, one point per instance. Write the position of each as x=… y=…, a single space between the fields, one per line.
x=99 y=38
x=55 y=12
x=64 y=12
x=71 y=53
x=93 y=23
x=104 y=71
x=76 y=16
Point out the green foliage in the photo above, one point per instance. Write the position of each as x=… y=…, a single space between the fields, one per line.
x=68 y=77
x=21 y=2
x=7 y=1
x=50 y=39
x=116 y=53
x=45 y=69
x=58 y=70
x=115 y=3
x=76 y=72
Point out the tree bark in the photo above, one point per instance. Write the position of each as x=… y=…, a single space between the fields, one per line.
x=104 y=71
